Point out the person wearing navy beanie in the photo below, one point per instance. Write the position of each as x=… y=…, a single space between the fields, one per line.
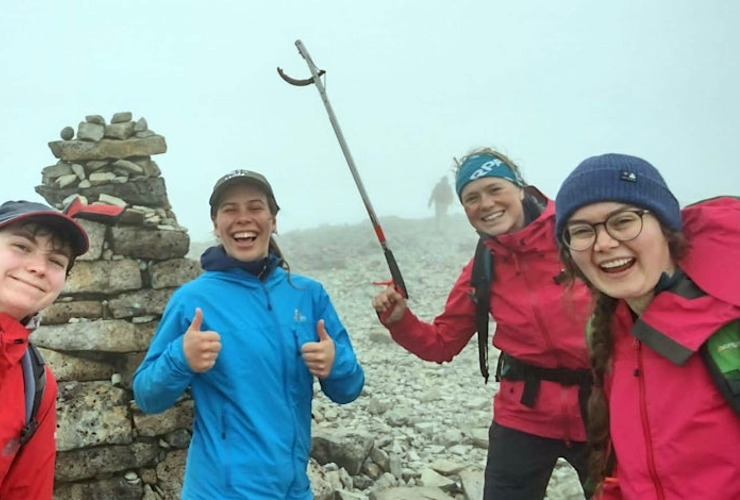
x=543 y=371
x=616 y=177
x=666 y=286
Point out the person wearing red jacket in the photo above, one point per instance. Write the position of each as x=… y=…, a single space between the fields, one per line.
x=543 y=365
x=38 y=246
x=665 y=281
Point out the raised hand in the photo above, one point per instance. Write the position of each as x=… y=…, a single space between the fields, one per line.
x=201 y=347
x=390 y=305
x=319 y=356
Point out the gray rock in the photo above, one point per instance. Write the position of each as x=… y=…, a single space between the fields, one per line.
x=120 y=117
x=86 y=132
x=119 y=130
x=112 y=335
x=89 y=462
x=67 y=133
x=347 y=449
x=91 y=414
x=106 y=148
x=103 y=277
x=174 y=272
x=179 y=416
x=98 y=119
x=141 y=243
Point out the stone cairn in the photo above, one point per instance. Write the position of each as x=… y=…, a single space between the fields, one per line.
x=96 y=334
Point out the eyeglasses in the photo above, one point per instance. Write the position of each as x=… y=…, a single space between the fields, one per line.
x=622 y=226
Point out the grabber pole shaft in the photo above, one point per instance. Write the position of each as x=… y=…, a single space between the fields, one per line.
x=316 y=80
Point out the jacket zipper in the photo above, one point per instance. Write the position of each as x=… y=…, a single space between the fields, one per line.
x=548 y=341
x=639 y=373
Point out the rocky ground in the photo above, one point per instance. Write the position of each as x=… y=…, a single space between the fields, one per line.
x=429 y=422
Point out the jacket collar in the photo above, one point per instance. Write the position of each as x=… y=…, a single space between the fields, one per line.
x=536 y=236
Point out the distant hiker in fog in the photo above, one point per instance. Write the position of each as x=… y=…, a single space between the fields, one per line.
x=248 y=337
x=38 y=246
x=665 y=334
x=543 y=367
x=442 y=198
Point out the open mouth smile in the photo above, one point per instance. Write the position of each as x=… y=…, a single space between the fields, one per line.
x=245 y=236
x=617 y=265
x=494 y=216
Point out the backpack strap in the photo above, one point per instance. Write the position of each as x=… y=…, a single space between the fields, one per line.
x=34 y=382
x=721 y=354
x=480 y=281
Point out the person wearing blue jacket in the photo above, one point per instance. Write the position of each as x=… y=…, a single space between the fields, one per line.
x=248 y=337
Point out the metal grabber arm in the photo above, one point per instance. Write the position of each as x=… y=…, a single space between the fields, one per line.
x=316 y=73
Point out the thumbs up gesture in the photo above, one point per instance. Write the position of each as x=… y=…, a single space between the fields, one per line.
x=319 y=356
x=201 y=347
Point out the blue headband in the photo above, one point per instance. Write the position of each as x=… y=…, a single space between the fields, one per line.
x=483 y=165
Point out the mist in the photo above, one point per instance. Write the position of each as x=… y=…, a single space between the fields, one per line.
x=413 y=85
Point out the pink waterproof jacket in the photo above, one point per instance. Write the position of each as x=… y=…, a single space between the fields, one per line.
x=28 y=474
x=538 y=320
x=674 y=435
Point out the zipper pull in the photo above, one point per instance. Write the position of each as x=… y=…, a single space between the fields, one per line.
x=636 y=345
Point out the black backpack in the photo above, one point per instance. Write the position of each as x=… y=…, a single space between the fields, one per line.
x=34 y=382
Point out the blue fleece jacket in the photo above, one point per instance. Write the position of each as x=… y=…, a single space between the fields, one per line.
x=252 y=425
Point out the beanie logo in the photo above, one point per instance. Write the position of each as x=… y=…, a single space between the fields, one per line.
x=485 y=168
x=628 y=176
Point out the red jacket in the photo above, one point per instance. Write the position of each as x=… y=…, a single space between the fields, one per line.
x=30 y=473
x=674 y=435
x=537 y=320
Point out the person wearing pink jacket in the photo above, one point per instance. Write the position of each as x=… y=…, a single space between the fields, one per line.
x=665 y=280
x=543 y=366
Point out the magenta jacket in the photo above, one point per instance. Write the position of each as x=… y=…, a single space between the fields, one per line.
x=538 y=320
x=674 y=435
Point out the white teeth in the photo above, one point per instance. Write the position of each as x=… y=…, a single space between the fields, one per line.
x=246 y=234
x=615 y=263
x=489 y=218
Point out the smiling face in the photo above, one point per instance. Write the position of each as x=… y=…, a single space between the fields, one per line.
x=623 y=269
x=493 y=205
x=244 y=223
x=33 y=268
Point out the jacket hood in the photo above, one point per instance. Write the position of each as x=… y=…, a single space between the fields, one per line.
x=712 y=228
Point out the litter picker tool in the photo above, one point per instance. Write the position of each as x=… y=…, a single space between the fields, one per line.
x=316 y=74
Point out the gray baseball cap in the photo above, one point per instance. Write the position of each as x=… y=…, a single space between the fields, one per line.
x=240 y=176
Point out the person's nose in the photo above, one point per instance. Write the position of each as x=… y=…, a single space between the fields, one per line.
x=37 y=263
x=243 y=216
x=603 y=240
x=487 y=200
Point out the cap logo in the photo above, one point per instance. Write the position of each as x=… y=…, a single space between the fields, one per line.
x=628 y=176
x=236 y=173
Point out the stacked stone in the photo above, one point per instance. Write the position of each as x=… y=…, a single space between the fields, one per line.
x=110 y=164
x=97 y=333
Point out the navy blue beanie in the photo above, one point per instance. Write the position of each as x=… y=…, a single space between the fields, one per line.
x=620 y=178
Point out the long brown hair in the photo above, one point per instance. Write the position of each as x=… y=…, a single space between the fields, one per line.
x=601 y=349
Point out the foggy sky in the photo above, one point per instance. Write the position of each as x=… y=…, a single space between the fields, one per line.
x=413 y=84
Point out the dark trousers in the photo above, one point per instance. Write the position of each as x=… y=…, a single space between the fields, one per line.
x=520 y=464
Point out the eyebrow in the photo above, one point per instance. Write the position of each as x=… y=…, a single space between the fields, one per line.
x=250 y=201
x=23 y=232
x=623 y=208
